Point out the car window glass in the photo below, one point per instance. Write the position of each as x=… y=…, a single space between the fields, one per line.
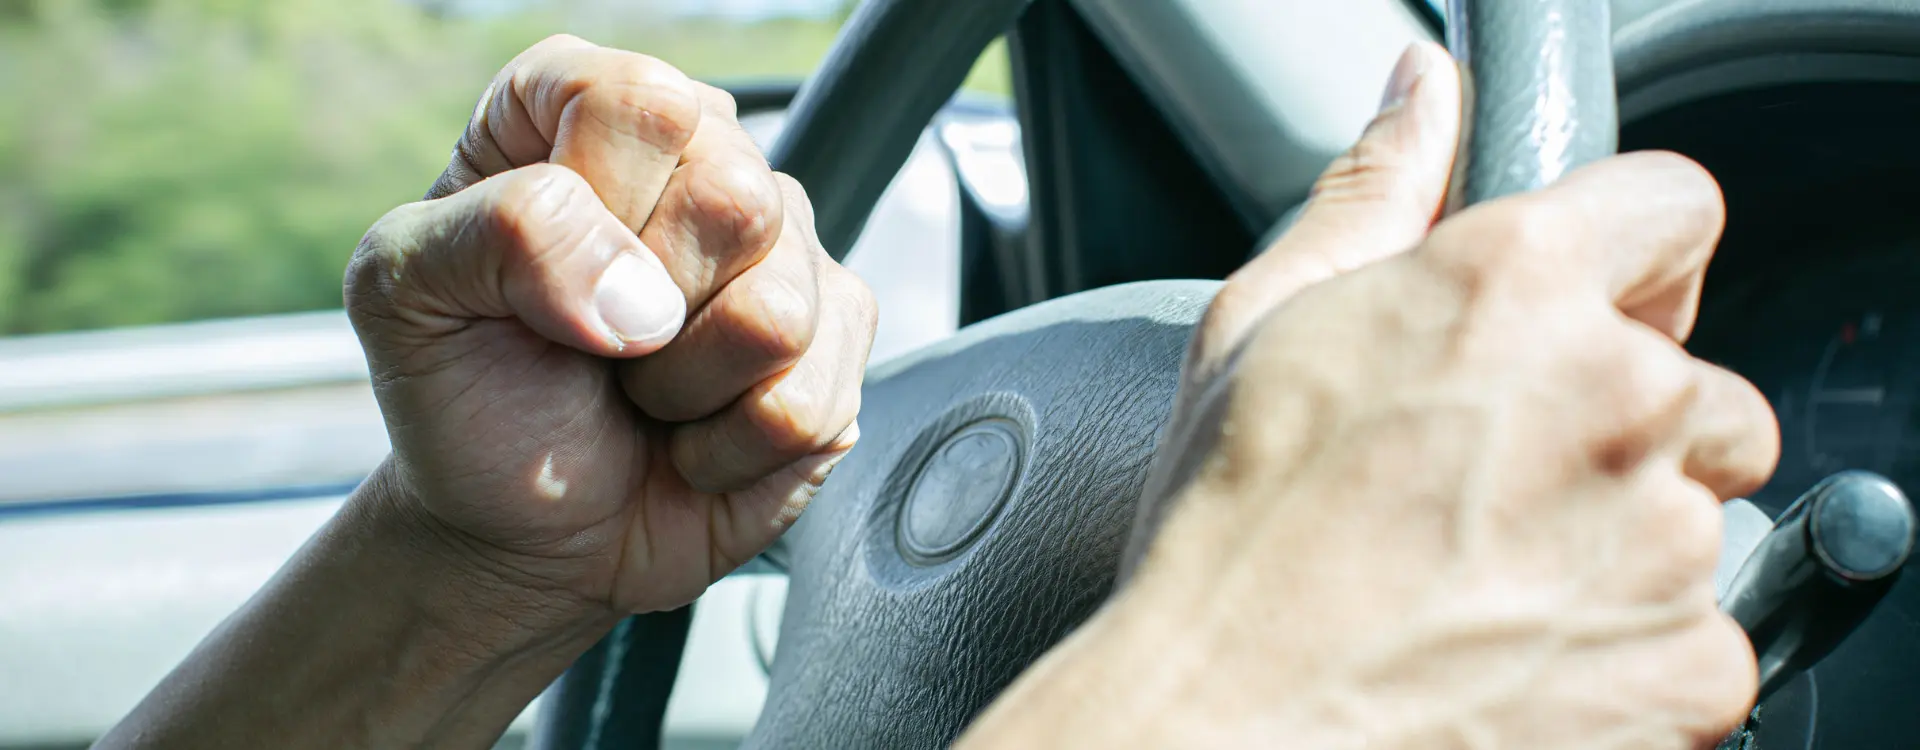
x=176 y=160
x=181 y=403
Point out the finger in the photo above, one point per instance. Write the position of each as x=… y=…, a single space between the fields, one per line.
x=1667 y=547
x=796 y=413
x=758 y=326
x=1733 y=444
x=500 y=135
x=534 y=244
x=1377 y=199
x=1656 y=402
x=1720 y=678
x=751 y=519
x=619 y=119
x=1686 y=675
x=1636 y=230
x=723 y=209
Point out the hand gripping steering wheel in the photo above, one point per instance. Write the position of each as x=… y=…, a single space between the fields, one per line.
x=984 y=514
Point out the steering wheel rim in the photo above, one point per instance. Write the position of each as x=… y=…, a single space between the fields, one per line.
x=1539 y=93
x=985 y=512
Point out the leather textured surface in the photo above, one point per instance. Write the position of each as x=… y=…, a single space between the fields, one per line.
x=880 y=651
x=1541 y=89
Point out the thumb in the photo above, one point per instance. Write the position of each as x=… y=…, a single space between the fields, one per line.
x=533 y=244
x=1376 y=200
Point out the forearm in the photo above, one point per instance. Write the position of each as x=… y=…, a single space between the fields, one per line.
x=374 y=635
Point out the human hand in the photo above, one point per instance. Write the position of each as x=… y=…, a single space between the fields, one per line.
x=1375 y=201
x=570 y=445
x=1462 y=496
x=557 y=414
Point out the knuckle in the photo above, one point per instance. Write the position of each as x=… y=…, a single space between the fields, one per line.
x=1509 y=246
x=791 y=188
x=1643 y=390
x=1695 y=191
x=1739 y=444
x=1662 y=186
x=559 y=41
x=642 y=97
x=1689 y=191
x=1267 y=282
x=1743 y=397
x=737 y=199
x=718 y=100
x=1532 y=226
x=774 y=320
x=1225 y=315
x=856 y=298
x=1725 y=673
x=379 y=259
x=1645 y=378
x=543 y=54
x=537 y=207
x=700 y=451
x=794 y=417
x=1686 y=532
x=388 y=233
x=794 y=196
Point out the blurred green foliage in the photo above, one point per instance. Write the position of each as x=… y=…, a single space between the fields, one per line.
x=168 y=160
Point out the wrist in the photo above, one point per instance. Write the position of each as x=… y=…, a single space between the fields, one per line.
x=465 y=640
x=424 y=646
x=460 y=588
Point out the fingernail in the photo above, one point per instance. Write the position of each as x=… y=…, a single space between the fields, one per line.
x=638 y=301
x=1413 y=66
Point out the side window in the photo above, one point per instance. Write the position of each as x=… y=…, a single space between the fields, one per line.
x=181 y=400
x=173 y=160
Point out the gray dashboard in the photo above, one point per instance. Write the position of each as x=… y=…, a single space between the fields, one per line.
x=1667 y=53
x=1266 y=93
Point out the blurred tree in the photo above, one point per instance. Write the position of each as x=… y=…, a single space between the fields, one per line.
x=179 y=159
x=166 y=160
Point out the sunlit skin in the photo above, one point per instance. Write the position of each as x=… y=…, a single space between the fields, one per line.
x=634 y=484
x=615 y=364
x=1425 y=485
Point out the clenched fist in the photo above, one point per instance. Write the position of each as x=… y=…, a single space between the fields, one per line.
x=614 y=364
x=613 y=358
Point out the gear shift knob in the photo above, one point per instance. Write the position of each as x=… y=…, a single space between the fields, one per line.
x=1827 y=562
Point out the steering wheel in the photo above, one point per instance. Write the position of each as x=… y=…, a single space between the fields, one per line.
x=985 y=512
